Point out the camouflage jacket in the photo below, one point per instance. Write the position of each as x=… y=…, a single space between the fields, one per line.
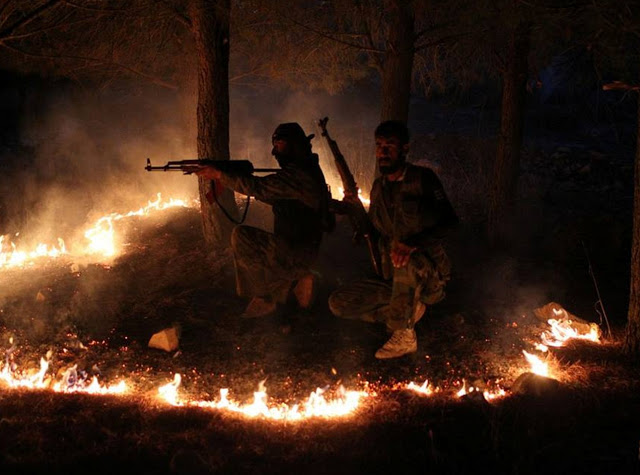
x=298 y=195
x=414 y=210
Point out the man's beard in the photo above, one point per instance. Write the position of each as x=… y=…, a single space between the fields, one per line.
x=391 y=168
x=281 y=158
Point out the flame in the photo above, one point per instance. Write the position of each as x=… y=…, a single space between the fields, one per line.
x=72 y=380
x=538 y=366
x=428 y=390
x=463 y=390
x=316 y=405
x=425 y=388
x=100 y=237
x=494 y=394
x=11 y=256
x=563 y=330
x=365 y=201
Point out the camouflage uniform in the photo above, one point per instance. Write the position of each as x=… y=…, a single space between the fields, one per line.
x=268 y=264
x=416 y=212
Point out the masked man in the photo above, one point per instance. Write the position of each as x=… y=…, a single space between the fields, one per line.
x=272 y=267
x=410 y=210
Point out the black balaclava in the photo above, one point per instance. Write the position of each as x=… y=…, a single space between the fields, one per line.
x=298 y=143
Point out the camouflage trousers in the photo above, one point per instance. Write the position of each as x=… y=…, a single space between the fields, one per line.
x=393 y=301
x=267 y=265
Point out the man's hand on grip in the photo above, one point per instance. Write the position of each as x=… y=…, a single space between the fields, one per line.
x=400 y=254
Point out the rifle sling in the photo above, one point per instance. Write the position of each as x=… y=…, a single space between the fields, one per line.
x=226 y=213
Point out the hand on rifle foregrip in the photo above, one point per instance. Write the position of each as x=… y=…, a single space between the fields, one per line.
x=208 y=172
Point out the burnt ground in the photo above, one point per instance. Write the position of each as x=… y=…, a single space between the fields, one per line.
x=101 y=317
x=588 y=425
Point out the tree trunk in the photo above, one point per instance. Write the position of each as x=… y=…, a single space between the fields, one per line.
x=397 y=68
x=632 y=337
x=503 y=191
x=210 y=22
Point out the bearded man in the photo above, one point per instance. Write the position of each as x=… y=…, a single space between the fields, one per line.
x=411 y=211
x=272 y=267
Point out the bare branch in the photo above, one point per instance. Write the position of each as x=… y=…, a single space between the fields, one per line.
x=433 y=29
x=96 y=61
x=95 y=9
x=445 y=39
x=60 y=24
x=331 y=37
x=28 y=18
x=181 y=17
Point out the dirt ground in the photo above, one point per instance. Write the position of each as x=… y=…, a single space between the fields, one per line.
x=101 y=317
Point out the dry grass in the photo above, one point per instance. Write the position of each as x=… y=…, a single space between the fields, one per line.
x=588 y=425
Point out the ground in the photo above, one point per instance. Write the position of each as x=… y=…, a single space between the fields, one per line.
x=572 y=244
x=101 y=317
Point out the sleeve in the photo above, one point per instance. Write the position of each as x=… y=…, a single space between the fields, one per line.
x=282 y=185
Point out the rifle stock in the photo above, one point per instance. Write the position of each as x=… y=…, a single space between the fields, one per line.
x=353 y=208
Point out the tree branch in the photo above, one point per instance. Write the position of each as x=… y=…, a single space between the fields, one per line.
x=45 y=29
x=28 y=18
x=443 y=40
x=95 y=9
x=330 y=37
x=97 y=61
x=181 y=17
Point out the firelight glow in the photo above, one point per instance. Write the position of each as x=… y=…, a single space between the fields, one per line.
x=70 y=382
x=562 y=331
x=318 y=405
x=538 y=366
x=343 y=404
x=365 y=201
x=100 y=238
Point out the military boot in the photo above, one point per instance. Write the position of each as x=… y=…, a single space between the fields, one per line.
x=305 y=290
x=402 y=342
x=259 y=307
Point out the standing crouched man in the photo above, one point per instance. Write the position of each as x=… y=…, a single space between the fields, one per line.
x=269 y=267
x=410 y=210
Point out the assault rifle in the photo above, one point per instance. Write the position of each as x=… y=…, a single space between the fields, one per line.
x=243 y=167
x=353 y=208
x=187 y=167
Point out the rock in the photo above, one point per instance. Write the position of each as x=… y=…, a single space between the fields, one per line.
x=535 y=385
x=166 y=339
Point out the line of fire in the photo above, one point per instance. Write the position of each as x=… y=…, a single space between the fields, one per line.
x=272 y=236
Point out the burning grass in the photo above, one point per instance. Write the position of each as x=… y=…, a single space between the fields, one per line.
x=429 y=411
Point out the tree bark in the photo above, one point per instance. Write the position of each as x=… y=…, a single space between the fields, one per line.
x=632 y=336
x=210 y=23
x=397 y=68
x=503 y=191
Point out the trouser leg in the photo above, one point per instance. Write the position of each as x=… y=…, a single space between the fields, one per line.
x=420 y=281
x=366 y=300
x=266 y=266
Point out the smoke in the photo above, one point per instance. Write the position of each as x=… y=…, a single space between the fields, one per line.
x=83 y=153
x=352 y=120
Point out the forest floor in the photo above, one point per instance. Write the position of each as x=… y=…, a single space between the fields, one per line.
x=101 y=317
